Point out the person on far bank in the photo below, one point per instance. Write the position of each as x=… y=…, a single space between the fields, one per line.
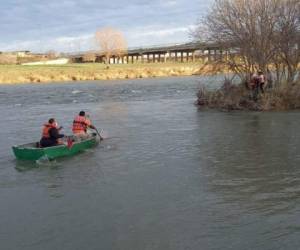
x=254 y=86
x=261 y=81
x=269 y=79
x=80 y=125
x=50 y=134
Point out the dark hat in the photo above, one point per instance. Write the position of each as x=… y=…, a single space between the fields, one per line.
x=82 y=113
x=51 y=120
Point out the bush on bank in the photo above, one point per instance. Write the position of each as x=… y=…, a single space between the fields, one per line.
x=258 y=36
x=238 y=97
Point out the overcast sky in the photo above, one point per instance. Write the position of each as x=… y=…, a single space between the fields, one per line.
x=70 y=25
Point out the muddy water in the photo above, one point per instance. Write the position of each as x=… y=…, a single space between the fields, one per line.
x=168 y=177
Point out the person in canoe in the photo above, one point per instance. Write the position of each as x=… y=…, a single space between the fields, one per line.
x=50 y=134
x=80 y=125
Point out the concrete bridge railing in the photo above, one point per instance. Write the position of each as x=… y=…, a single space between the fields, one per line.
x=160 y=53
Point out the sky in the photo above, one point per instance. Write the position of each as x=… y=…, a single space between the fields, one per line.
x=70 y=25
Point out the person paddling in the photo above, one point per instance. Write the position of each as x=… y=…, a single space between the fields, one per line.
x=50 y=134
x=80 y=125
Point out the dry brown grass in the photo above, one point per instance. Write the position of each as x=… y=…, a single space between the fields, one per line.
x=94 y=71
x=285 y=97
x=237 y=97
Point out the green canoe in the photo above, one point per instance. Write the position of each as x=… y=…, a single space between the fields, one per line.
x=31 y=152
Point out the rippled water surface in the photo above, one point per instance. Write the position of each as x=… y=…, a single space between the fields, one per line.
x=168 y=177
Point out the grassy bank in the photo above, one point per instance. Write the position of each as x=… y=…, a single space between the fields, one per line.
x=238 y=97
x=10 y=74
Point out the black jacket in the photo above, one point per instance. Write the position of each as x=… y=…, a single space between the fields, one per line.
x=52 y=141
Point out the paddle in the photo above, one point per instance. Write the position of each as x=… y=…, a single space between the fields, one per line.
x=101 y=138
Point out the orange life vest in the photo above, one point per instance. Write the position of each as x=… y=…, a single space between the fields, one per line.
x=80 y=124
x=46 y=128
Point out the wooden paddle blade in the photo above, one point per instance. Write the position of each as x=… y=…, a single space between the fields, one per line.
x=103 y=134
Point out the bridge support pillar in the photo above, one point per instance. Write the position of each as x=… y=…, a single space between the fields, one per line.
x=167 y=56
x=209 y=55
x=221 y=55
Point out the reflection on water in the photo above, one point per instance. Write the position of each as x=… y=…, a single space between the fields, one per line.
x=29 y=165
x=168 y=177
x=254 y=161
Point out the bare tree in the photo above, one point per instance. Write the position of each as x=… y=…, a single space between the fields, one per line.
x=258 y=33
x=51 y=54
x=89 y=57
x=288 y=38
x=111 y=42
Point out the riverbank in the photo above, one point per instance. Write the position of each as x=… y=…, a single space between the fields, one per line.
x=237 y=97
x=15 y=74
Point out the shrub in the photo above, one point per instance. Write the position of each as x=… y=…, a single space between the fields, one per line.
x=238 y=97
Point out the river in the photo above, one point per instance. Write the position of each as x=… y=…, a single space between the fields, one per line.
x=168 y=177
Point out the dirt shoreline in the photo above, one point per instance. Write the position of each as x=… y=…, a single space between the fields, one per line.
x=17 y=74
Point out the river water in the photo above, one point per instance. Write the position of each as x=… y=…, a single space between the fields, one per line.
x=169 y=176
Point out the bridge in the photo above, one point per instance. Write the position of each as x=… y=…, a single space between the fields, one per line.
x=187 y=52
